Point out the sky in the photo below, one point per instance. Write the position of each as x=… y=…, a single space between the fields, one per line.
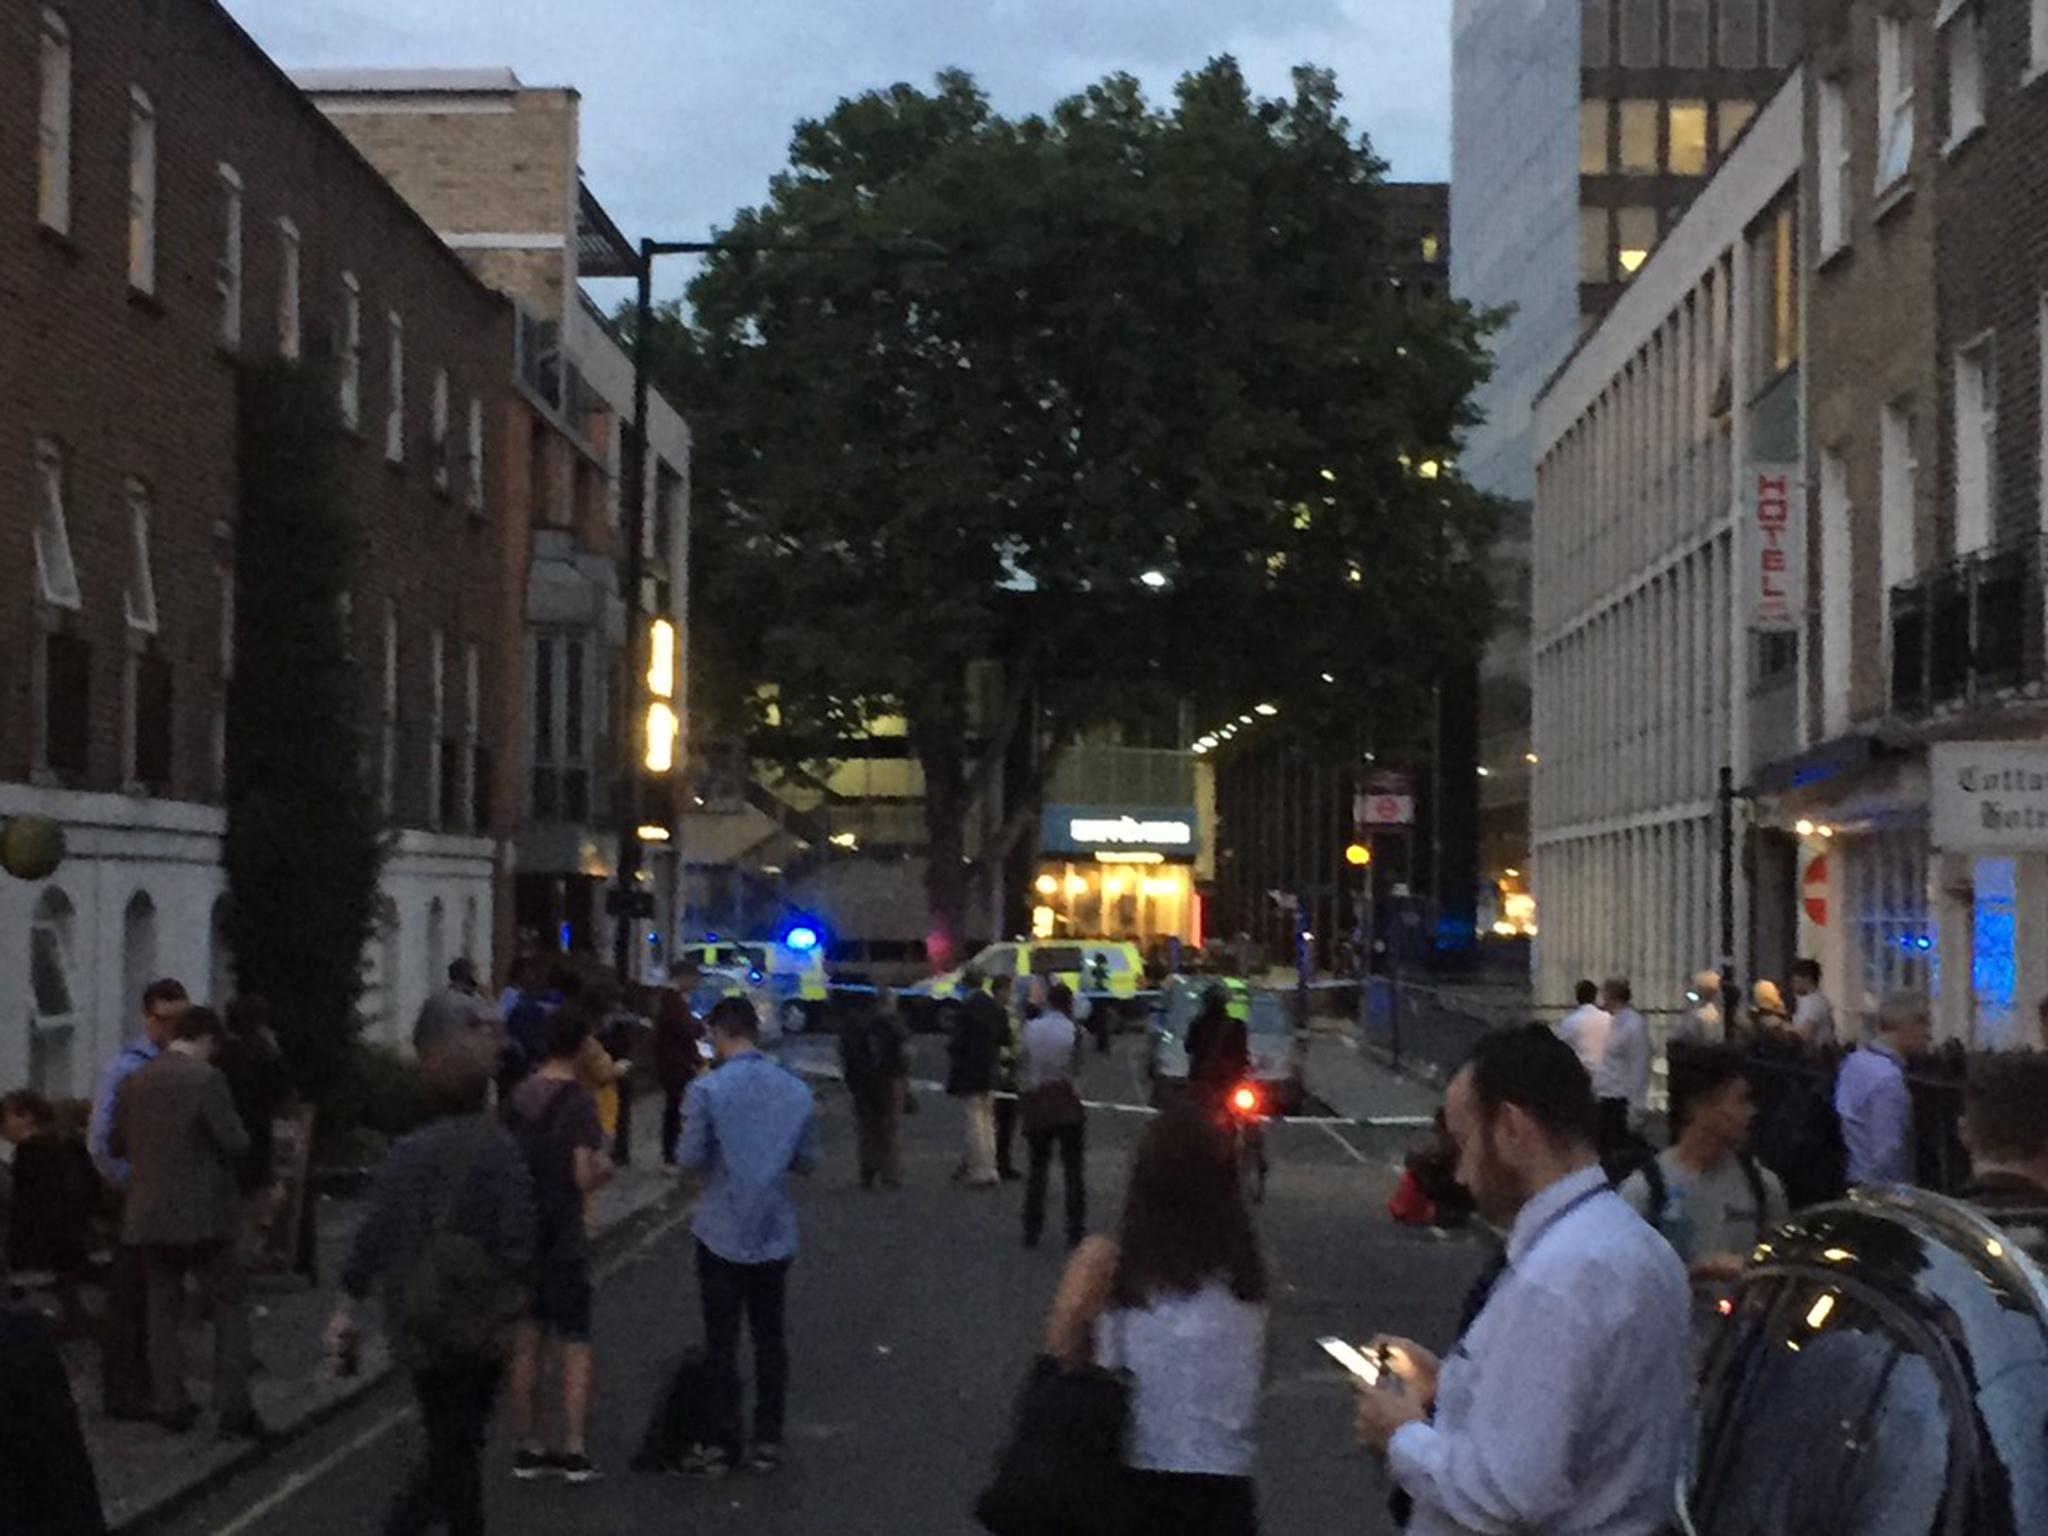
x=688 y=104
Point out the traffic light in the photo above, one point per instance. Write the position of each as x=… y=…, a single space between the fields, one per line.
x=1358 y=855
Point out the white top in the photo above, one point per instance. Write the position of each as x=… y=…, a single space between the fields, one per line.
x=1624 y=1070
x=1196 y=1365
x=1584 y=1029
x=1566 y=1408
x=1050 y=1049
x=1813 y=1019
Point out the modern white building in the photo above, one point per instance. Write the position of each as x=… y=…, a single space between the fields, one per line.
x=1655 y=665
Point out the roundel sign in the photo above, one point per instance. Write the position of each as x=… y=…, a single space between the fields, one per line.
x=1813 y=891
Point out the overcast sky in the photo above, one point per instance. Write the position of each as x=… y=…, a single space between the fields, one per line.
x=688 y=104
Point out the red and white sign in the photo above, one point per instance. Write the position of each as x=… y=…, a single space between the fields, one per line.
x=1813 y=891
x=1774 y=548
x=1388 y=801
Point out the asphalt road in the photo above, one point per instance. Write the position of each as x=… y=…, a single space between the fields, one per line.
x=913 y=1316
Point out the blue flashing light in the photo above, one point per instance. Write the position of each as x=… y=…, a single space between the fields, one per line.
x=802 y=938
x=754 y=976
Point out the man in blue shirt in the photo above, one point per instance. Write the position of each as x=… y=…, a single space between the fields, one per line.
x=747 y=1125
x=124 y=1349
x=1872 y=1099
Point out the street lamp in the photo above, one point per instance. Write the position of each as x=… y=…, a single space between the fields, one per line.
x=662 y=725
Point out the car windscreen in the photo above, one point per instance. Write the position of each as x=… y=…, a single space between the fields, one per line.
x=1055 y=960
x=1268 y=1016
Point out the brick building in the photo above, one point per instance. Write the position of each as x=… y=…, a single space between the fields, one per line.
x=170 y=205
x=492 y=165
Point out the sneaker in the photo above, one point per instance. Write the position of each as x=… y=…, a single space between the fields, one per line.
x=530 y=1465
x=573 y=1467
x=764 y=1459
x=703 y=1461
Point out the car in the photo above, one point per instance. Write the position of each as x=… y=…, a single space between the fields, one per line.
x=1276 y=1046
x=1098 y=970
x=792 y=969
x=1882 y=1371
x=714 y=984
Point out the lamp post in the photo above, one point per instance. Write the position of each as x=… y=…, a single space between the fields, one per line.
x=626 y=903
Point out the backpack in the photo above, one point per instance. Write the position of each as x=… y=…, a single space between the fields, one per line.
x=1660 y=1192
x=459 y=1302
x=1799 y=1138
x=553 y=1208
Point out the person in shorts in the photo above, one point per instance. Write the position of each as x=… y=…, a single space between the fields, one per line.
x=555 y=1120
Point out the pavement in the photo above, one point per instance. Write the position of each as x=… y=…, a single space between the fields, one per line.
x=1356 y=1086
x=913 y=1317
x=145 y=1471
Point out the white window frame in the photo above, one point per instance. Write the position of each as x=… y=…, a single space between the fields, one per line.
x=472 y=724
x=439 y=430
x=476 y=455
x=53 y=923
x=1895 y=100
x=1975 y=384
x=1836 y=183
x=351 y=369
x=1837 y=589
x=142 y=191
x=228 y=278
x=1961 y=25
x=387 y=775
x=53 y=127
x=138 y=595
x=290 y=313
x=437 y=676
x=56 y=571
x=2037 y=39
x=1898 y=497
x=394 y=415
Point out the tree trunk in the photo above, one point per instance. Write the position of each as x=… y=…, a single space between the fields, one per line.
x=946 y=869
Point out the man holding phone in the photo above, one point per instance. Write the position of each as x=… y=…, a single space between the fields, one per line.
x=1564 y=1409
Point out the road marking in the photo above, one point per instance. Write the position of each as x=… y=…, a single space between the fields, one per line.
x=1338 y=1137
x=298 y=1482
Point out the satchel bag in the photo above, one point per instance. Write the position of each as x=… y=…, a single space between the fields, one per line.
x=459 y=1303
x=1062 y=1471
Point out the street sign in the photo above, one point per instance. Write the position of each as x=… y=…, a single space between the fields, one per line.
x=1385 y=800
x=1813 y=890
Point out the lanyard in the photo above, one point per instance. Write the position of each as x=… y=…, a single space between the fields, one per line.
x=1584 y=1197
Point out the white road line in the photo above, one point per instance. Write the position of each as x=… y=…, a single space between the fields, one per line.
x=1338 y=1137
x=298 y=1482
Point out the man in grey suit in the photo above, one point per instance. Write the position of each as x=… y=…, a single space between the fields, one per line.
x=175 y=1124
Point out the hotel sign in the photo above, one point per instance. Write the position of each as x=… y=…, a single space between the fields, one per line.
x=1774 y=549
x=1085 y=831
x=1990 y=797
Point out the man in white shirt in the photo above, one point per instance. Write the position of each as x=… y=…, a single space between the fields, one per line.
x=1584 y=1029
x=1872 y=1099
x=1813 y=1016
x=1622 y=1080
x=1565 y=1408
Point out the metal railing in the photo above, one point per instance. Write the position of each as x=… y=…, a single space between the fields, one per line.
x=1968 y=631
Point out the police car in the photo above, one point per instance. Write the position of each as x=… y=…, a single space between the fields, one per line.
x=1275 y=1045
x=790 y=971
x=1096 y=971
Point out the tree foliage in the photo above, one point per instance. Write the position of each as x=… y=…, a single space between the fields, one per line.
x=1162 y=339
x=303 y=849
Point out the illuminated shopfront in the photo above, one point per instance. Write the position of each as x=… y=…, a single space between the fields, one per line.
x=1118 y=874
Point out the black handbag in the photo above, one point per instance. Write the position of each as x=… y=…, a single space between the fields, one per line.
x=696 y=1409
x=1062 y=1472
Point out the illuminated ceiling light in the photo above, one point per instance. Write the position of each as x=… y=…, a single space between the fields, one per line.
x=1485 y=773
x=1330 y=475
x=1822 y=1308
x=1356 y=574
x=1207 y=743
x=661 y=659
x=1329 y=677
x=1531 y=759
x=1304 y=519
x=1077 y=885
x=1268 y=710
x=1825 y=832
x=1244 y=719
x=1429 y=469
x=652 y=834
x=1803 y=827
x=1837 y=1255
x=1199 y=750
x=1047 y=885
x=662 y=728
x=1631 y=260
x=1512 y=874
x=845 y=840
x=1156 y=580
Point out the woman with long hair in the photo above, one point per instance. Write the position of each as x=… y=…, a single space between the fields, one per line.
x=1178 y=1301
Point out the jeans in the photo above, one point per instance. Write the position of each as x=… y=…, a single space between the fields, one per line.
x=124 y=1335
x=760 y=1290
x=878 y=1116
x=1006 y=1136
x=218 y=1269
x=447 y=1487
x=672 y=1118
x=622 y=1137
x=981 y=1138
x=1072 y=1144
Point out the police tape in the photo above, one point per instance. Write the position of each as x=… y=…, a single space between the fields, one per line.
x=914 y=992
x=1111 y=1106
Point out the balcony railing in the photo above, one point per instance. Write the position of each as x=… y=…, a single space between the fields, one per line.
x=544 y=367
x=1969 y=632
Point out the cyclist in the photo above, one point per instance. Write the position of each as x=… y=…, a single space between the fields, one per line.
x=1219 y=1054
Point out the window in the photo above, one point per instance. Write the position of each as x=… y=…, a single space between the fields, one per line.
x=1837 y=582
x=1635 y=237
x=394 y=416
x=561 y=728
x=1964 y=32
x=1639 y=33
x=1430 y=245
x=229 y=277
x=2037 y=36
x=149 y=682
x=289 y=331
x=1976 y=427
x=1738 y=34
x=351 y=352
x=1689 y=39
x=141 y=191
x=1639 y=136
x=140 y=595
x=387 y=768
x=66 y=680
x=1784 y=18
x=53 y=1001
x=56 y=575
x=1596 y=42
x=1730 y=118
x=436 y=953
x=440 y=768
x=439 y=429
x=2041 y=330
x=1898 y=471
x=473 y=768
x=476 y=453
x=53 y=157
x=1688 y=138
x=1593 y=131
x=1894 y=100
x=1834 y=167
x=1784 y=290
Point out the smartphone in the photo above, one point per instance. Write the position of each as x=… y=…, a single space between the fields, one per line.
x=1352 y=1359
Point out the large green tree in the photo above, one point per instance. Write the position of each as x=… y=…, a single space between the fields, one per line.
x=1162 y=345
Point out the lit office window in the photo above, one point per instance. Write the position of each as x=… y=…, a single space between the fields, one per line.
x=1596 y=247
x=1639 y=136
x=1593 y=132
x=1635 y=237
x=1688 y=138
x=1730 y=118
